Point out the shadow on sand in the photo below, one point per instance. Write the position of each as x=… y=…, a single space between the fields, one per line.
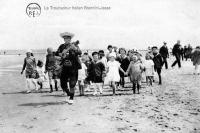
x=25 y=92
x=91 y=95
x=43 y=104
x=186 y=74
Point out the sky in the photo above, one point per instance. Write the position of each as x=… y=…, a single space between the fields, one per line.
x=129 y=23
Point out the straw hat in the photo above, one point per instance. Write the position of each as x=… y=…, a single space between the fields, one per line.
x=113 y=54
x=28 y=51
x=66 y=34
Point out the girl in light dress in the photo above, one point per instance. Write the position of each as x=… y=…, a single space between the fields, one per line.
x=113 y=71
x=82 y=74
x=41 y=72
x=149 y=69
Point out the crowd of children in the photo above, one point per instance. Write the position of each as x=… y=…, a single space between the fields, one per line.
x=98 y=69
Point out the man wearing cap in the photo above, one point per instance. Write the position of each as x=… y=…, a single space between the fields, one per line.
x=164 y=53
x=69 y=53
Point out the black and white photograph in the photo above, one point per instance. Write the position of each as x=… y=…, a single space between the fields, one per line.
x=99 y=66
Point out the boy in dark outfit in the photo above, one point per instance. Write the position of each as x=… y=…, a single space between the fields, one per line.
x=165 y=54
x=96 y=73
x=158 y=62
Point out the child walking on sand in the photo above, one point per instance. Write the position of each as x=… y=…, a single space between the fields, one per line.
x=53 y=68
x=149 y=69
x=113 y=71
x=158 y=63
x=40 y=70
x=96 y=72
x=135 y=70
x=82 y=76
x=30 y=68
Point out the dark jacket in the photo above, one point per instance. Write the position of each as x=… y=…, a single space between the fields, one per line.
x=66 y=52
x=96 y=72
x=176 y=49
x=164 y=52
x=50 y=62
x=124 y=64
x=158 y=61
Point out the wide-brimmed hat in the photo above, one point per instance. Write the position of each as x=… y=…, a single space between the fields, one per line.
x=28 y=51
x=66 y=34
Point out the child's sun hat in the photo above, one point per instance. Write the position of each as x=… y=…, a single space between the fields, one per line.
x=113 y=54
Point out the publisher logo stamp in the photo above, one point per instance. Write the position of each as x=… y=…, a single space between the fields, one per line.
x=33 y=10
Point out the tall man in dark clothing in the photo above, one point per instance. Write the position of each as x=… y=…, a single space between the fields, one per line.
x=176 y=51
x=165 y=54
x=69 y=53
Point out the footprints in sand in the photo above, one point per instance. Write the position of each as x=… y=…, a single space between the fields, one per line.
x=27 y=126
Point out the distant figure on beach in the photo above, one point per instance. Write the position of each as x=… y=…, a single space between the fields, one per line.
x=164 y=53
x=188 y=52
x=176 y=51
x=4 y=52
x=195 y=58
x=30 y=67
x=70 y=62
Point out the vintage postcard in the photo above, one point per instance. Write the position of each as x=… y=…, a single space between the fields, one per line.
x=99 y=66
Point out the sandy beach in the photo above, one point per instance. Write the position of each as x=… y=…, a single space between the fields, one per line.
x=174 y=107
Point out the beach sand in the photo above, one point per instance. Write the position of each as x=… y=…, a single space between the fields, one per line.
x=174 y=107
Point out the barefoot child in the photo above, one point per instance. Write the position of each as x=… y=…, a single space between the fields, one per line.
x=135 y=70
x=30 y=67
x=113 y=71
x=149 y=70
x=82 y=76
x=40 y=70
x=52 y=69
